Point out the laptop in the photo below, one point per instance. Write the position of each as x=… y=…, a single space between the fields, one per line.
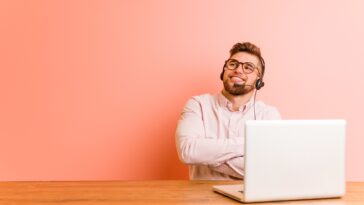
x=291 y=160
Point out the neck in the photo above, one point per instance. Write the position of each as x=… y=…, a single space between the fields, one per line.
x=237 y=100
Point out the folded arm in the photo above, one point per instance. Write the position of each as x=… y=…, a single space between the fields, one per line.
x=235 y=166
x=195 y=148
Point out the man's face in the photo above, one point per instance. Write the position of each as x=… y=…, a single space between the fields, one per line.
x=236 y=82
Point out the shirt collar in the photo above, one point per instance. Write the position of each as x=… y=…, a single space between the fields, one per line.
x=224 y=102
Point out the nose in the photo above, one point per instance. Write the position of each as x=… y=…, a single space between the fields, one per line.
x=239 y=70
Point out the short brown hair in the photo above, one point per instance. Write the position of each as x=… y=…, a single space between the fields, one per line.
x=249 y=48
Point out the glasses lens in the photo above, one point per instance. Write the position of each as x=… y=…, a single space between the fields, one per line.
x=232 y=64
x=248 y=67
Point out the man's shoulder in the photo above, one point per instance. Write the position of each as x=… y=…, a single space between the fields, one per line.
x=261 y=104
x=202 y=100
x=269 y=111
x=204 y=97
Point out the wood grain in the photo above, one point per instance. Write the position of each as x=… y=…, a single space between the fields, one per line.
x=140 y=192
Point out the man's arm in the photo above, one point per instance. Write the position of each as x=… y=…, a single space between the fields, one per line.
x=237 y=164
x=195 y=148
x=233 y=167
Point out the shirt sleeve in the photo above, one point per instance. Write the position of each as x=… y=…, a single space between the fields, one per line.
x=271 y=113
x=233 y=167
x=194 y=147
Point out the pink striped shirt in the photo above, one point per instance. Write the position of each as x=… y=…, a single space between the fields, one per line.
x=210 y=137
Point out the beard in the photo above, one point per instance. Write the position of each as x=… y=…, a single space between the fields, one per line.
x=237 y=89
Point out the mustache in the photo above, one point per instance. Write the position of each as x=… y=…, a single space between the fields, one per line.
x=241 y=85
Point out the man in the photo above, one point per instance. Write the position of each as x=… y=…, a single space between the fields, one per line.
x=210 y=132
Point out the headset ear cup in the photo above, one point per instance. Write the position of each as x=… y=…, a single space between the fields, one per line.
x=259 y=84
x=222 y=75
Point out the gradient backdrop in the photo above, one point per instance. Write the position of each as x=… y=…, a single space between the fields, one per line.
x=92 y=90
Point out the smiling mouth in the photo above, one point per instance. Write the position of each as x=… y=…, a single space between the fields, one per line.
x=237 y=80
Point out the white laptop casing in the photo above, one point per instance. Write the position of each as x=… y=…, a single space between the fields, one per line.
x=293 y=159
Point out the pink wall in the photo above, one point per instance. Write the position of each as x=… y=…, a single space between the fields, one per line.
x=93 y=89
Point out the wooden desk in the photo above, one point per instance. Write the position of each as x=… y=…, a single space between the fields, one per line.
x=139 y=192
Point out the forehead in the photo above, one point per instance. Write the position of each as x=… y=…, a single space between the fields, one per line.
x=245 y=57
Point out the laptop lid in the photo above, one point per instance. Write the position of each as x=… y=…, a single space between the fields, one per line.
x=294 y=159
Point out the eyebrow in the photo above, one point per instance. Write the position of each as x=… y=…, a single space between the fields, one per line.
x=244 y=62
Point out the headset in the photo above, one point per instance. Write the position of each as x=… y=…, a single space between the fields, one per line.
x=259 y=83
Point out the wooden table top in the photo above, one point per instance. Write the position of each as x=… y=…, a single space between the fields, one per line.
x=140 y=192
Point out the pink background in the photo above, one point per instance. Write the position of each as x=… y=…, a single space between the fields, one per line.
x=93 y=89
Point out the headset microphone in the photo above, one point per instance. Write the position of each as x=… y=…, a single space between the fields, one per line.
x=258 y=83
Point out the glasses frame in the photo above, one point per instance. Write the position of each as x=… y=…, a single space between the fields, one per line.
x=242 y=65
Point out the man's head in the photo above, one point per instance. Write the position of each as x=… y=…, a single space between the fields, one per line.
x=244 y=70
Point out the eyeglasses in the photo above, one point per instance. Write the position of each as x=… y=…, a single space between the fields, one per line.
x=248 y=67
